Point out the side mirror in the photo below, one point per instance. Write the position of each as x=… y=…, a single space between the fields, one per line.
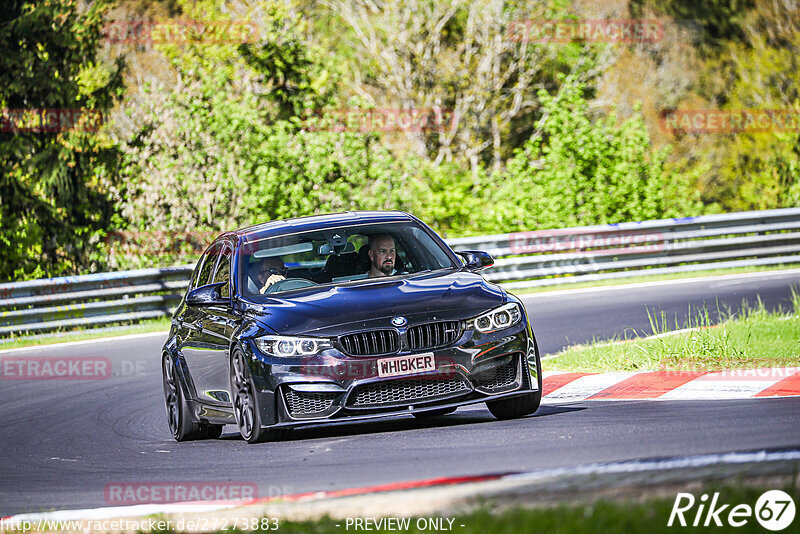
x=476 y=260
x=208 y=295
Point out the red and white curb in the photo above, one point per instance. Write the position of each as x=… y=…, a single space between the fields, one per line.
x=672 y=385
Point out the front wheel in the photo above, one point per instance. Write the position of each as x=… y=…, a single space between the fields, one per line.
x=245 y=403
x=524 y=404
x=515 y=406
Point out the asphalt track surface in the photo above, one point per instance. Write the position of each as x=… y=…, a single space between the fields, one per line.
x=63 y=441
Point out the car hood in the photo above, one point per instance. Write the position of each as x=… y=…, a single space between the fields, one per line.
x=338 y=309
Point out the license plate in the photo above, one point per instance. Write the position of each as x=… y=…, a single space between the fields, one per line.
x=406 y=365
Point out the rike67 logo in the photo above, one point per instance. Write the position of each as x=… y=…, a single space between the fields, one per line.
x=774 y=510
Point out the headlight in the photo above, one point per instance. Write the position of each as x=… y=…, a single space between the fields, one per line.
x=287 y=347
x=498 y=319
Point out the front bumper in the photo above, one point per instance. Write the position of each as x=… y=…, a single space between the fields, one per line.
x=335 y=387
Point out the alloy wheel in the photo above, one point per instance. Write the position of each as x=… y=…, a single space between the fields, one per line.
x=171 y=395
x=243 y=408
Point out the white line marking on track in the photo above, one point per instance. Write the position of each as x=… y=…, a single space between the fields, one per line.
x=561 y=292
x=668 y=463
x=742 y=384
x=700 y=389
x=86 y=341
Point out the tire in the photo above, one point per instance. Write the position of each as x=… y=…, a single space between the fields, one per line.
x=433 y=413
x=212 y=431
x=245 y=403
x=522 y=405
x=515 y=406
x=179 y=419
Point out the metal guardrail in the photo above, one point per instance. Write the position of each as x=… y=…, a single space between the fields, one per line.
x=90 y=300
x=523 y=260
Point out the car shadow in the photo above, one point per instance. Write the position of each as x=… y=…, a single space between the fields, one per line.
x=554 y=409
x=403 y=423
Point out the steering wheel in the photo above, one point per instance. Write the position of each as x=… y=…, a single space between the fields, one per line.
x=289 y=284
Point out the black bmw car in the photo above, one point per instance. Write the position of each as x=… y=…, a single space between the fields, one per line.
x=343 y=317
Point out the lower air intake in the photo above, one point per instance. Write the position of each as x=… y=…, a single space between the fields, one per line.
x=407 y=391
x=501 y=377
x=301 y=403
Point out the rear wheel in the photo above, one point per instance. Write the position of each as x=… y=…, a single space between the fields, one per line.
x=245 y=403
x=179 y=418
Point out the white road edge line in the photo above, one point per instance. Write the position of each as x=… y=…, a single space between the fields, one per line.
x=634 y=466
x=85 y=341
x=787 y=272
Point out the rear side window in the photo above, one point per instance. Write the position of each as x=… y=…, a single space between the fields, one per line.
x=223 y=273
x=209 y=260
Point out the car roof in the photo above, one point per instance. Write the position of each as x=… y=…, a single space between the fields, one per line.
x=319 y=222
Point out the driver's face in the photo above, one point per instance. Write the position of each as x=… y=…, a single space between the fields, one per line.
x=268 y=267
x=382 y=253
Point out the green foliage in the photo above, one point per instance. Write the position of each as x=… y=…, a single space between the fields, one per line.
x=758 y=170
x=228 y=136
x=54 y=198
x=187 y=166
x=215 y=154
x=576 y=170
x=720 y=20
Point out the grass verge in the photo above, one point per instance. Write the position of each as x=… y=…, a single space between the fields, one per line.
x=751 y=339
x=143 y=327
x=656 y=278
x=632 y=516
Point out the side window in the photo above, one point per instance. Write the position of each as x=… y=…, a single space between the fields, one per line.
x=196 y=272
x=209 y=260
x=223 y=273
x=403 y=259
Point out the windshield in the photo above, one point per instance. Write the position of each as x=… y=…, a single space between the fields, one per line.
x=337 y=256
